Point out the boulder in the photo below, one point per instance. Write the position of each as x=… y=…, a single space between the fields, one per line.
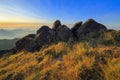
x=27 y=43
x=75 y=28
x=90 y=28
x=64 y=33
x=56 y=24
x=43 y=29
x=45 y=36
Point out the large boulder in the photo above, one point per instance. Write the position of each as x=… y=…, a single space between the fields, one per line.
x=64 y=33
x=27 y=43
x=90 y=28
x=56 y=24
x=75 y=28
x=45 y=36
x=43 y=29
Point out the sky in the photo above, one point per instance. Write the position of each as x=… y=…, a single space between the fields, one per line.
x=106 y=12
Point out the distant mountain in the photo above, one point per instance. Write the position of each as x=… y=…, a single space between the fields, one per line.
x=15 y=33
x=7 y=43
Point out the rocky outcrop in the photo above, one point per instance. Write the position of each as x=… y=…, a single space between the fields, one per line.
x=75 y=28
x=56 y=24
x=45 y=36
x=64 y=33
x=43 y=29
x=27 y=43
x=90 y=27
x=33 y=42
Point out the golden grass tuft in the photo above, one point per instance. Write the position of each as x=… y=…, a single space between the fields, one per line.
x=63 y=61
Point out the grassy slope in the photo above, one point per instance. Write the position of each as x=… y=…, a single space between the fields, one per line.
x=63 y=61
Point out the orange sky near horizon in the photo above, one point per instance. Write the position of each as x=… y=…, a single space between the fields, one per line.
x=4 y=25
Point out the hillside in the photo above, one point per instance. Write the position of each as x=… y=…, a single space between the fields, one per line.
x=88 y=51
x=63 y=61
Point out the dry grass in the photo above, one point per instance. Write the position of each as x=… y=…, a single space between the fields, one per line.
x=63 y=61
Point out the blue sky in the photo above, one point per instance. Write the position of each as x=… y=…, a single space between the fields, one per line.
x=68 y=11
